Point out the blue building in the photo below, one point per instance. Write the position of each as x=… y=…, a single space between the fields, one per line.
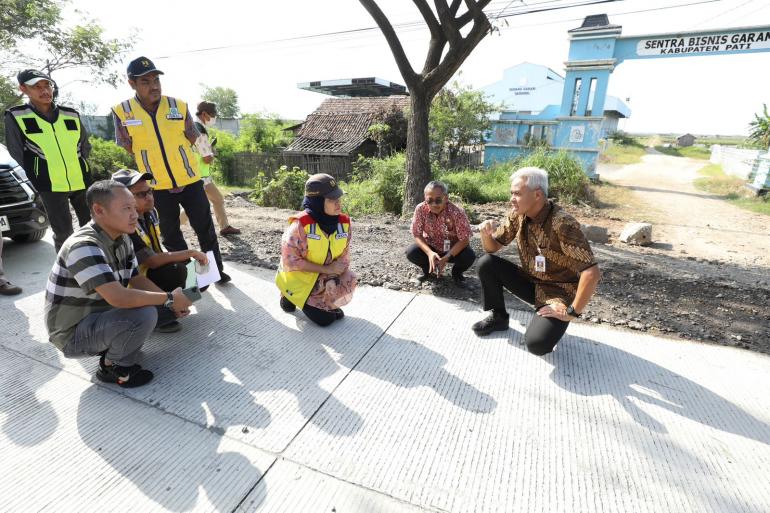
x=580 y=121
x=530 y=89
x=531 y=97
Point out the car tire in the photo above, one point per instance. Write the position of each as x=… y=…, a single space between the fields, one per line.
x=29 y=237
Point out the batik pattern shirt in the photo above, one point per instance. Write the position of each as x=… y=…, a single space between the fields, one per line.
x=555 y=235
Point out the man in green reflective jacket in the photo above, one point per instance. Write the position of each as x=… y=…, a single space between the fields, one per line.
x=51 y=144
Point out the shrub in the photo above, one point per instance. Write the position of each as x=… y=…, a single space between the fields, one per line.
x=285 y=190
x=465 y=184
x=566 y=179
x=623 y=138
x=225 y=148
x=361 y=198
x=107 y=157
x=387 y=177
x=479 y=186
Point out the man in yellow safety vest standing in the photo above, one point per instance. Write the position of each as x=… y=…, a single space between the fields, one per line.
x=52 y=146
x=159 y=131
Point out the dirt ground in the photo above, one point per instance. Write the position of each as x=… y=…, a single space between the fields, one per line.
x=707 y=277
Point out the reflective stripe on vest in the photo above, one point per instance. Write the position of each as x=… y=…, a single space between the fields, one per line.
x=55 y=148
x=296 y=286
x=159 y=143
x=151 y=238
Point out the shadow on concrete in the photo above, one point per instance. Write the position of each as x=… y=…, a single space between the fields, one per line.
x=163 y=464
x=588 y=368
x=264 y=361
x=28 y=421
x=408 y=364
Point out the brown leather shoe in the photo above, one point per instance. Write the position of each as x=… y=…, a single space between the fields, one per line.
x=229 y=230
x=9 y=289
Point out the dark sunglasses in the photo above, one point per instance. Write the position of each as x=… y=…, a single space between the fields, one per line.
x=437 y=201
x=143 y=194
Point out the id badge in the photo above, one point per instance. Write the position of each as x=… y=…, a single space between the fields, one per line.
x=540 y=264
x=447 y=245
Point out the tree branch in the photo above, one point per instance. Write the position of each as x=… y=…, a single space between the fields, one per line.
x=439 y=76
x=454 y=7
x=407 y=73
x=435 y=50
x=429 y=18
x=473 y=9
x=448 y=24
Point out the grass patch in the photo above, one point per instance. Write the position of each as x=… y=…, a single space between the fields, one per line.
x=733 y=189
x=479 y=186
x=693 y=152
x=623 y=154
x=621 y=203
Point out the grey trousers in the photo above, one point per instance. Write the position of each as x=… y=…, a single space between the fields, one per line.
x=3 y=281
x=121 y=332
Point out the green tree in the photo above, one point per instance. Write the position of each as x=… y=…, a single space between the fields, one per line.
x=26 y=19
x=83 y=46
x=226 y=100
x=453 y=37
x=759 y=129
x=459 y=117
x=262 y=133
x=9 y=96
x=107 y=157
x=57 y=47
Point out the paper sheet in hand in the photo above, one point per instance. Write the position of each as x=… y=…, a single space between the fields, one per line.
x=212 y=275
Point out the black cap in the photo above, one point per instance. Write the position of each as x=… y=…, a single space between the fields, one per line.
x=31 y=77
x=323 y=185
x=129 y=177
x=141 y=66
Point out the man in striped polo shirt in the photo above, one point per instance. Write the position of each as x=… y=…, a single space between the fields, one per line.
x=89 y=308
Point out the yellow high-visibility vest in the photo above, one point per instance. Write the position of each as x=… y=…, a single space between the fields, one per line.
x=296 y=286
x=159 y=143
x=151 y=237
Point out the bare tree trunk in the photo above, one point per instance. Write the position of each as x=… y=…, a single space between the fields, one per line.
x=417 y=151
x=445 y=27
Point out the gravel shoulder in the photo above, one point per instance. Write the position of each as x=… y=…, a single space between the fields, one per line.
x=655 y=289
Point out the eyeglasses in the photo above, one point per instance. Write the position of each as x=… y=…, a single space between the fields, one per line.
x=143 y=194
x=437 y=201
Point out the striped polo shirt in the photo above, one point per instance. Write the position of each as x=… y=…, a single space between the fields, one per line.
x=89 y=258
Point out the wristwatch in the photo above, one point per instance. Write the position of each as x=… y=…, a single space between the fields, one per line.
x=170 y=301
x=571 y=311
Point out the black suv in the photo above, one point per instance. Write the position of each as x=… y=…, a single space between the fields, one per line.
x=22 y=215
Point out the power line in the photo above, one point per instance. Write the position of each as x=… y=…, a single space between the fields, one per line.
x=731 y=9
x=407 y=25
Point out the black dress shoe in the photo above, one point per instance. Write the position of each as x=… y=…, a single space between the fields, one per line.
x=494 y=322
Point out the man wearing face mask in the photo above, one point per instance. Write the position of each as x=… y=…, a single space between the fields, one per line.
x=442 y=234
x=159 y=131
x=207 y=117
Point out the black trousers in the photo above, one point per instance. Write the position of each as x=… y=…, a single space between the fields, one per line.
x=461 y=262
x=543 y=333
x=57 y=205
x=319 y=316
x=196 y=205
x=167 y=278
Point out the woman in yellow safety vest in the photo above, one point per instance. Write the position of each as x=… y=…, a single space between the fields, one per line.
x=315 y=274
